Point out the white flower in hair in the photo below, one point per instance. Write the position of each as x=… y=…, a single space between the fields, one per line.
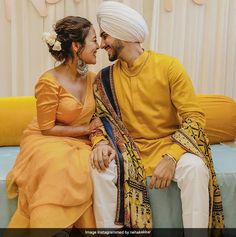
x=50 y=38
x=45 y=36
x=57 y=46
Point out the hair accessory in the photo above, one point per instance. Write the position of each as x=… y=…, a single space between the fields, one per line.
x=51 y=39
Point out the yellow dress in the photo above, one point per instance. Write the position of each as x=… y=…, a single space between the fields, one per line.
x=51 y=174
x=153 y=96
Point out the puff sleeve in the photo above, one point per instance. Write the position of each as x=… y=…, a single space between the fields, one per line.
x=46 y=93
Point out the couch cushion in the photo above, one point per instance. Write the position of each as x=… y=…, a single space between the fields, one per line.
x=8 y=206
x=7 y=158
x=16 y=112
x=220 y=114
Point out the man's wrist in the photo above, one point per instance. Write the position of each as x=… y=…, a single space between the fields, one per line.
x=100 y=143
x=169 y=157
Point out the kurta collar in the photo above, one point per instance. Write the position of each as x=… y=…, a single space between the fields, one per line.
x=137 y=65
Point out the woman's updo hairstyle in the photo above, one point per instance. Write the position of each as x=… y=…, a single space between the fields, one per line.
x=69 y=29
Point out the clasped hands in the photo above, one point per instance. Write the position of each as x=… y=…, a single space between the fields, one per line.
x=101 y=156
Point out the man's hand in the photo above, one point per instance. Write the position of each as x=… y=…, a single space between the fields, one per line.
x=101 y=156
x=163 y=173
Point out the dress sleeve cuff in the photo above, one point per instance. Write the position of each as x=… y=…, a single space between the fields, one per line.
x=95 y=140
x=98 y=136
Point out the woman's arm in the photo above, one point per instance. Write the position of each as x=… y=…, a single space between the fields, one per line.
x=71 y=131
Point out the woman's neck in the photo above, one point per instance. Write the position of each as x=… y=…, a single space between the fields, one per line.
x=69 y=68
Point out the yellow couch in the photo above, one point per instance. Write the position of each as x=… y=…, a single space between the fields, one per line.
x=17 y=112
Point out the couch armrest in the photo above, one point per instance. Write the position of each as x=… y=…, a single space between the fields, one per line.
x=15 y=114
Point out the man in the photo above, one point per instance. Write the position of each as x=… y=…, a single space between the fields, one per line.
x=152 y=96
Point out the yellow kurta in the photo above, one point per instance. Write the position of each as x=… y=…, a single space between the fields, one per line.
x=153 y=95
x=51 y=174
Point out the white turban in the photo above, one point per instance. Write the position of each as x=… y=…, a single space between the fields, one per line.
x=121 y=22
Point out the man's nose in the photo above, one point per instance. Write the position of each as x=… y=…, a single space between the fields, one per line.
x=102 y=44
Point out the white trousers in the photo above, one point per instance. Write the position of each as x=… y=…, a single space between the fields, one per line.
x=192 y=178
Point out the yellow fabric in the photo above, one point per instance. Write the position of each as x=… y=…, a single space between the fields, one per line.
x=51 y=174
x=15 y=114
x=220 y=117
x=99 y=135
x=149 y=94
x=97 y=139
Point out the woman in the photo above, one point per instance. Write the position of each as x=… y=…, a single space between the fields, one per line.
x=51 y=173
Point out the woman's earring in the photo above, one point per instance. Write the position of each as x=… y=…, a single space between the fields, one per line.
x=82 y=67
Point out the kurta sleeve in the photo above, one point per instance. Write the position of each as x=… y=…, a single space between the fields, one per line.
x=184 y=99
x=46 y=93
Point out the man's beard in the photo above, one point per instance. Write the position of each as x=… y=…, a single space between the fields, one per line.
x=116 y=47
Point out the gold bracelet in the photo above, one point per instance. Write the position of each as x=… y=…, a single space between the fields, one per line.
x=171 y=157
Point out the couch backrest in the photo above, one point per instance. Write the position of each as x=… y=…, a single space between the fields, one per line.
x=16 y=112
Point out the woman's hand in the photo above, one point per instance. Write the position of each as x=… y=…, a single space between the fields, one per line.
x=94 y=124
